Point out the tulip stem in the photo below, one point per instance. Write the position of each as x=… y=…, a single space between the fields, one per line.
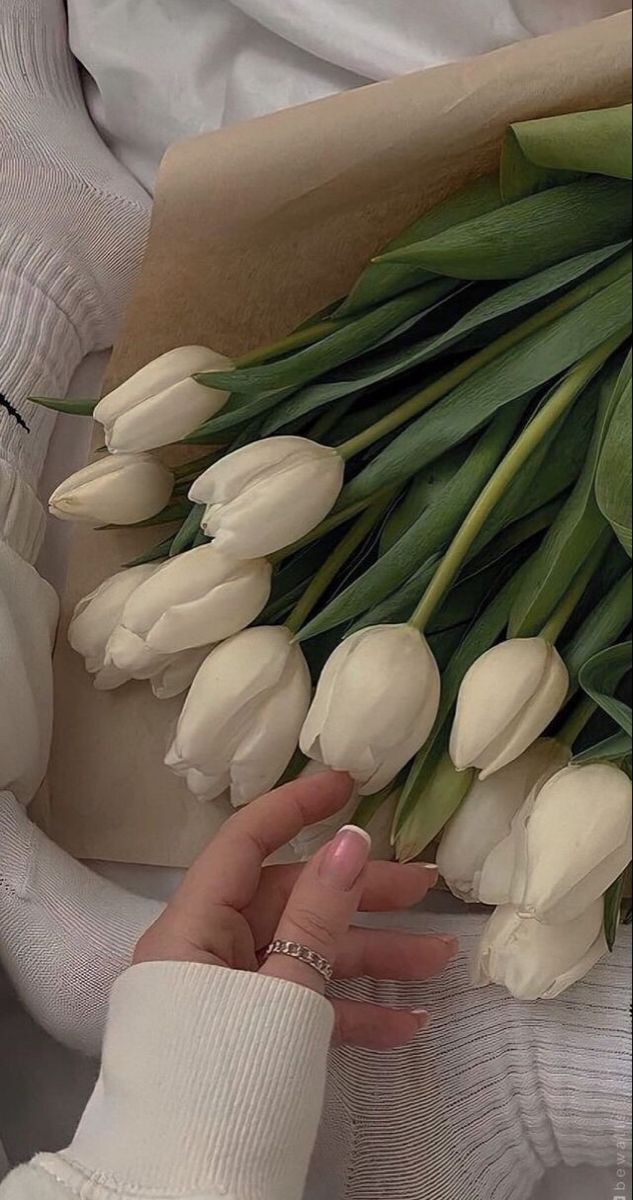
x=576 y=722
x=295 y=341
x=335 y=562
x=567 y=607
x=441 y=387
x=531 y=437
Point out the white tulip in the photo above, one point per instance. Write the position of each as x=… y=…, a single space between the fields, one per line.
x=571 y=841
x=314 y=837
x=507 y=699
x=535 y=961
x=375 y=705
x=240 y=724
x=484 y=820
x=178 y=673
x=161 y=403
x=97 y=615
x=114 y=490
x=196 y=599
x=268 y=495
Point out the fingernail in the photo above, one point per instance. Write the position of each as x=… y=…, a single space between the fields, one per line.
x=424 y=1017
x=451 y=942
x=428 y=868
x=346 y=858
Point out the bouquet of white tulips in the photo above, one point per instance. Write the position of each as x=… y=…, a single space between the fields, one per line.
x=403 y=551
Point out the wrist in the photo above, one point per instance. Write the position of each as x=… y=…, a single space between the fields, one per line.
x=229 y=1064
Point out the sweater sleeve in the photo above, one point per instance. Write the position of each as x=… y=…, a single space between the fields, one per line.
x=212 y=1084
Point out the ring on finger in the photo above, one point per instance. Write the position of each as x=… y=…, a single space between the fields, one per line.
x=302 y=954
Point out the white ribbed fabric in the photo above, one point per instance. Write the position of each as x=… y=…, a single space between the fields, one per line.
x=493 y=1095
x=65 y=934
x=73 y=225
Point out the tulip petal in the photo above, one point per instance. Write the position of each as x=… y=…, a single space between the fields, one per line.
x=155 y=377
x=535 y=961
x=376 y=702
x=228 y=478
x=97 y=615
x=533 y=719
x=577 y=841
x=495 y=689
x=264 y=753
x=117 y=491
x=477 y=853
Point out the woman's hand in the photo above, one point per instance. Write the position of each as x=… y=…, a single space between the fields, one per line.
x=230 y=907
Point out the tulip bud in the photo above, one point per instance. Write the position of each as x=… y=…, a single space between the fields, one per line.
x=178 y=673
x=375 y=705
x=240 y=724
x=268 y=495
x=507 y=699
x=535 y=961
x=161 y=404
x=196 y=599
x=314 y=837
x=572 y=840
x=484 y=821
x=97 y=615
x=121 y=490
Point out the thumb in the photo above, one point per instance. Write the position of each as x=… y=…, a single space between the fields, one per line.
x=322 y=906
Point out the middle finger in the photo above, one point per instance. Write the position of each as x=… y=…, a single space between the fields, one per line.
x=389 y=887
x=392 y=954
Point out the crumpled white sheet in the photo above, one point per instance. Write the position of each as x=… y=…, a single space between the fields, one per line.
x=160 y=70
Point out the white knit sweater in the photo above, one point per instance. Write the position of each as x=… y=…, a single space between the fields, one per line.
x=212 y=1081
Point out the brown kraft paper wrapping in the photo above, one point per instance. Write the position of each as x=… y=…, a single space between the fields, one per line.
x=255 y=228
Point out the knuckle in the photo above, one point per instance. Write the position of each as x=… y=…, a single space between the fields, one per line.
x=311 y=927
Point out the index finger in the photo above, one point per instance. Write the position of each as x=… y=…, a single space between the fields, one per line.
x=228 y=872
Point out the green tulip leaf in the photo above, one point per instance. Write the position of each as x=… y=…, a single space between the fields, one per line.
x=366 y=332
x=428 y=534
x=481 y=323
x=422 y=493
x=614 y=477
x=614 y=749
x=601 y=677
x=72 y=408
x=613 y=901
x=574 y=535
x=528 y=235
x=601 y=629
x=380 y=280
x=542 y=153
x=530 y=364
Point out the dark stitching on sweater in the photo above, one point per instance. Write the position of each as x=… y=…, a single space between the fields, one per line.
x=13 y=412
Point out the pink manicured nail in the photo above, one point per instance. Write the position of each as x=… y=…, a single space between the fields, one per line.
x=424 y=1017
x=346 y=858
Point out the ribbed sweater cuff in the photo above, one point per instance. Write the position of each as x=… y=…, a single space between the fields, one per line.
x=42 y=317
x=212 y=1082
